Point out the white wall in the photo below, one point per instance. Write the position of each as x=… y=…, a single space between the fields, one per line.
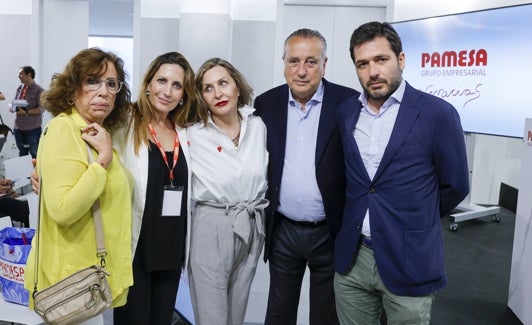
x=520 y=288
x=43 y=34
x=335 y=23
x=240 y=31
x=16 y=44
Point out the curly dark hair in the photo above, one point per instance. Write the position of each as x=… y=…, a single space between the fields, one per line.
x=88 y=62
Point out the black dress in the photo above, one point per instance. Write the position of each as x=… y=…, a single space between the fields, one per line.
x=160 y=251
x=161 y=243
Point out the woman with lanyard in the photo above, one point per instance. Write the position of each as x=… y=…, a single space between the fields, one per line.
x=229 y=161
x=152 y=148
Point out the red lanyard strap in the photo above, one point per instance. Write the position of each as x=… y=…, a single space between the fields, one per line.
x=22 y=94
x=161 y=149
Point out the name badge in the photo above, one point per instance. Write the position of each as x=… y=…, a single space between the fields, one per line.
x=173 y=195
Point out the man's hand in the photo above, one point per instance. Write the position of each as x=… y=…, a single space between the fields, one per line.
x=6 y=187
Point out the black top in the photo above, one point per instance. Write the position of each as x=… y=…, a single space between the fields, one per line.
x=161 y=243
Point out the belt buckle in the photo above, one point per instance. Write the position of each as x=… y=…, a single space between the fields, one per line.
x=366 y=242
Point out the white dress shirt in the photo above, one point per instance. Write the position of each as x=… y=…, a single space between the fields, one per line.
x=372 y=134
x=222 y=172
x=300 y=197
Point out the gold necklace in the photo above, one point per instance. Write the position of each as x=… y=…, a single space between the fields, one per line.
x=236 y=139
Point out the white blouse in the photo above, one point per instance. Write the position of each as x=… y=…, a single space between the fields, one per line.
x=222 y=172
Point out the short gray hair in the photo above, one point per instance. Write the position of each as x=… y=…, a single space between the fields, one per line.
x=307 y=33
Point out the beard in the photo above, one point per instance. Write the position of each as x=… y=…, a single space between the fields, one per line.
x=390 y=86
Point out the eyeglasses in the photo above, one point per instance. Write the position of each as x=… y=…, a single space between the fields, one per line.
x=113 y=85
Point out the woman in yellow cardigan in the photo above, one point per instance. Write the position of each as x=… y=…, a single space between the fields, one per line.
x=89 y=101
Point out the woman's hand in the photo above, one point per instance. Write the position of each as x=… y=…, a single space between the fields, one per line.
x=35 y=181
x=99 y=139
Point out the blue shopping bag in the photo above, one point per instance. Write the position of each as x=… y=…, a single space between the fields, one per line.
x=15 y=245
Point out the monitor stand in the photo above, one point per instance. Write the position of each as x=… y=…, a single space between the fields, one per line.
x=467 y=209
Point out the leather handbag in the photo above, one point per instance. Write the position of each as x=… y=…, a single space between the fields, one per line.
x=82 y=295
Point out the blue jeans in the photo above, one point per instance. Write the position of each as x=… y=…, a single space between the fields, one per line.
x=28 y=141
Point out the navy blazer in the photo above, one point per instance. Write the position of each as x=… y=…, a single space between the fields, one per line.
x=422 y=176
x=272 y=106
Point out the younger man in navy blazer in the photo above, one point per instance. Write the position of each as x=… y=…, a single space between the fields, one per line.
x=406 y=168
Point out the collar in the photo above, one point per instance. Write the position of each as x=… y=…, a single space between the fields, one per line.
x=245 y=111
x=76 y=118
x=395 y=97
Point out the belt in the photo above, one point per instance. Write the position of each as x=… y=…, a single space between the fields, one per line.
x=243 y=213
x=311 y=224
x=366 y=241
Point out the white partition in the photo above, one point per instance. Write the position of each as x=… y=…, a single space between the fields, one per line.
x=19 y=170
x=13 y=313
x=5 y=222
x=520 y=291
x=33 y=205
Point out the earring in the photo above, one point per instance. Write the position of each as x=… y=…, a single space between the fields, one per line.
x=70 y=102
x=147 y=92
x=181 y=102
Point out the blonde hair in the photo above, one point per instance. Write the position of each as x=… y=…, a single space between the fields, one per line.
x=246 y=92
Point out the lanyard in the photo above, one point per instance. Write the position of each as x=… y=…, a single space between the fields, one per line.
x=23 y=91
x=176 y=152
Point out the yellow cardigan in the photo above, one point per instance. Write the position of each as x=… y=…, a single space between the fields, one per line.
x=69 y=187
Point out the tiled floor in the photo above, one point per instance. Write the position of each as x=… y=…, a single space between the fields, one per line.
x=108 y=319
x=478 y=258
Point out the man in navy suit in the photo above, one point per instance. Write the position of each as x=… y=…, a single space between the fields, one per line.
x=406 y=168
x=306 y=181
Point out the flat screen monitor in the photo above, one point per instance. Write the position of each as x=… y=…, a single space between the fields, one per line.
x=478 y=61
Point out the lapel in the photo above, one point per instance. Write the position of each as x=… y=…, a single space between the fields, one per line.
x=19 y=90
x=350 y=124
x=327 y=121
x=183 y=142
x=407 y=115
x=280 y=114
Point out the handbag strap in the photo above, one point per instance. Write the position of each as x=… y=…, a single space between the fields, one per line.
x=101 y=252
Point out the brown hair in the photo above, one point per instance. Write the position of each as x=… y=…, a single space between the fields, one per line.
x=144 y=112
x=246 y=92
x=89 y=62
